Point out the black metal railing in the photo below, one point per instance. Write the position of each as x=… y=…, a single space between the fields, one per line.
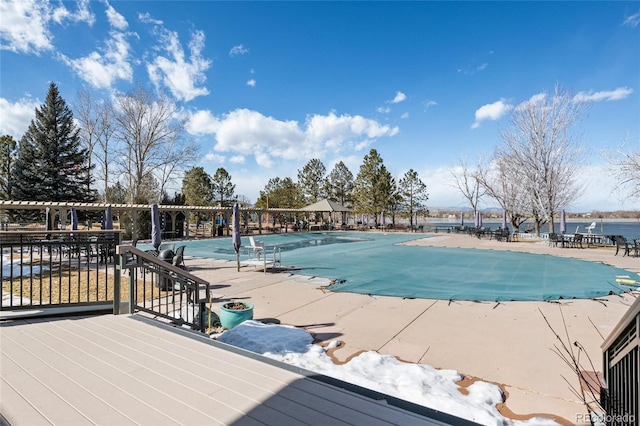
x=54 y=269
x=163 y=290
x=621 y=350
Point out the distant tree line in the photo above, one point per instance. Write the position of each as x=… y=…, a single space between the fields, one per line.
x=135 y=146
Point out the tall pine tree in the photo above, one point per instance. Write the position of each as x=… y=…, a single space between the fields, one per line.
x=51 y=165
x=373 y=188
x=7 y=157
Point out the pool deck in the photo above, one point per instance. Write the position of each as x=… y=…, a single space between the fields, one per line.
x=508 y=343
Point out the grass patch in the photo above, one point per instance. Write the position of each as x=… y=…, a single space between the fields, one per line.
x=65 y=284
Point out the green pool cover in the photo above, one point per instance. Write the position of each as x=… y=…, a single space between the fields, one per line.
x=379 y=264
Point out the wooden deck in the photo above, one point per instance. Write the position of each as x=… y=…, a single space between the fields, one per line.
x=120 y=370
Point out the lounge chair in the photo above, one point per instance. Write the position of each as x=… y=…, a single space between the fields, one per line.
x=553 y=239
x=591 y=227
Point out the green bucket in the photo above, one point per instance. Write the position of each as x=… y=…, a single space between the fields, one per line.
x=230 y=318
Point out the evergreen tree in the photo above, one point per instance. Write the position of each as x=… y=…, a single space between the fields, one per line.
x=310 y=181
x=7 y=157
x=51 y=166
x=280 y=193
x=116 y=194
x=373 y=188
x=197 y=187
x=413 y=193
x=198 y=190
x=338 y=186
x=223 y=189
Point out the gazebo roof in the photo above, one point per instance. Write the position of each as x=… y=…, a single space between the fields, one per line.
x=326 y=206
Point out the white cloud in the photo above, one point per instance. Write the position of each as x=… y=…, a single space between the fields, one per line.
x=215 y=158
x=238 y=50
x=83 y=14
x=202 y=122
x=103 y=69
x=334 y=131
x=16 y=116
x=146 y=18
x=475 y=69
x=384 y=110
x=605 y=95
x=493 y=111
x=632 y=20
x=428 y=104
x=251 y=82
x=537 y=99
x=405 y=115
x=180 y=74
x=24 y=26
x=245 y=132
x=400 y=97
x=116 y=20
x=237 y=159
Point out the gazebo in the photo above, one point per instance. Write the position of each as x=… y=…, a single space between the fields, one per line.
x=327 y=206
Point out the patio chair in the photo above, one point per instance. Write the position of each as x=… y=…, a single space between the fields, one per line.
x=590 y=228
x=577 y=241
x=621 y=242
x=553 y=239
x=90 y=249
x=256 y=248
x=178 y=258
x=107 y=253
x=636 y=247
x=166 y=246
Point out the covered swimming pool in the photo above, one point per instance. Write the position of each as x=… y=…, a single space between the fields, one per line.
x=379 y=264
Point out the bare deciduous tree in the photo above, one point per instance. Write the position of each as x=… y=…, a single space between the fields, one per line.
x=152 y=142
x=467 y=180
x=624 y=163
x=501 y=182
x=541 y=146
x=180 y=154
x=87 y=117
x=97 y=126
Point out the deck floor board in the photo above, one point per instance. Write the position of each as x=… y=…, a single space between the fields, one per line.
x=127 y=370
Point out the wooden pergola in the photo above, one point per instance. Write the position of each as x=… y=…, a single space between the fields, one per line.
x=134 y=209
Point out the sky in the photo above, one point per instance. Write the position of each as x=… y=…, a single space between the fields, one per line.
x=418 y=383
x=265 y=86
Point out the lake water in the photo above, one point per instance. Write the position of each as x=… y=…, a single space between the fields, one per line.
x=628 y=229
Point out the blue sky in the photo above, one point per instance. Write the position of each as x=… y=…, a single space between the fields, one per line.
x=266 y=86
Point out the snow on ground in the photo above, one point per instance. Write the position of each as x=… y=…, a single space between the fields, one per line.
x=417 y=383
x=16 y=269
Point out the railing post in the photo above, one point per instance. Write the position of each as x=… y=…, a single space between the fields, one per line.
x=203 y=307
x=116 y=275
x=132 y=282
